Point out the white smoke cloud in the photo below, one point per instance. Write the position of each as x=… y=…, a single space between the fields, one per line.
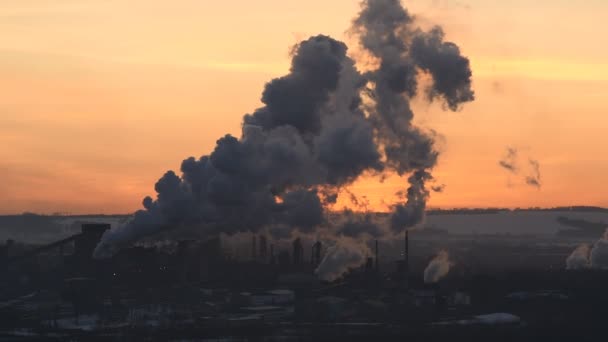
x=579 y=258
x=585 y=256
x=599 y=253
x=438 y=268
x=339 y=258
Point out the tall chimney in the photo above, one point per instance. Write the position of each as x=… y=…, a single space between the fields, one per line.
x=272 y=260
x=406 y=261
x=377 y=263
x=312 y=255
x=253 y=248
x=263 y=248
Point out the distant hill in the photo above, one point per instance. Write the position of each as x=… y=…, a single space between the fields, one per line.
x=481 y=211
x=583 y=228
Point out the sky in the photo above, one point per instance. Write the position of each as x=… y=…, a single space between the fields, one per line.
x=98 y=98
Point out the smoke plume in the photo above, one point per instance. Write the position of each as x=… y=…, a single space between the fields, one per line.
x=599 y=253
x=533 y=179
x=511 y=163
x=344 y=255
x=321 y=126
x=579 y=259
x=585 y=256
x=437 y=268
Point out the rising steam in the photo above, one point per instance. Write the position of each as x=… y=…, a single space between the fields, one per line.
x=579 y=259
x=438 y=268
x=585 y=256
x=344 y=255
x=322 y=126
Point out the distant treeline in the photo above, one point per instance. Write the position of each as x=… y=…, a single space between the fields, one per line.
x=583 y=228
x=32 y=217
x=477 y=211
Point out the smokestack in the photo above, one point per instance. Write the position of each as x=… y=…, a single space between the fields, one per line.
x=377 y=263
x=369 y=265
x=272 y=261
x=253 y=248
x=298 y=252
x=312 y=254
x=406 y=261
x=316 y=250
x=263 y=248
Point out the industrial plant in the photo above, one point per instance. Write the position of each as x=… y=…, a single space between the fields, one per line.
x=270 y=289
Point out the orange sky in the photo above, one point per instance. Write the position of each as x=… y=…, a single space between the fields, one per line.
x=99 y=97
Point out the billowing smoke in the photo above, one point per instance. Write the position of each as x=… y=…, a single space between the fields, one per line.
x=599 y=253
x=356 y=227
x=322 y=126
x=585 y=256
x=438 y=268
x=344 y=255
x=579 y=259
x=531 y=173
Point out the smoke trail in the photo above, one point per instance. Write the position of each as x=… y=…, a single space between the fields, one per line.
x=579 y=259
x=437 y=268
x=533 y=179
x=316 y=134
x=344 y=255
x=510 y=162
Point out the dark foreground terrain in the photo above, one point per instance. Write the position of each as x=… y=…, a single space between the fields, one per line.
x=497 y=289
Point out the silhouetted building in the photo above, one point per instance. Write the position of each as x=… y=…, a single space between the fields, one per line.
x=369 y=265
x=283 y=258
x=406 y=261
x=298 y=252
x=377 y=253
x=254 y=252
x=272 y=257
x=316 y=253
x=263 y=248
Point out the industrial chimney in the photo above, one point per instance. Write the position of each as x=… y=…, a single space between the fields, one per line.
x=377 y=263
x=253 y=248
x=263 y=248
x=272 y=259
x=298 y=252
x=317 y=253
x=406 y=261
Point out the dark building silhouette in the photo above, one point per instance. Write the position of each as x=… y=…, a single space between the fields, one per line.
x=254 y=252
x=272 y=257
x=369 y=265
x=298 y=252
x=283 y=258
x=263 y=248
x=377 y=253
x=406 y=261
x=316 y=253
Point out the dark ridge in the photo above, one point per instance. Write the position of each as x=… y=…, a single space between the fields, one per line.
x=583 y=228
